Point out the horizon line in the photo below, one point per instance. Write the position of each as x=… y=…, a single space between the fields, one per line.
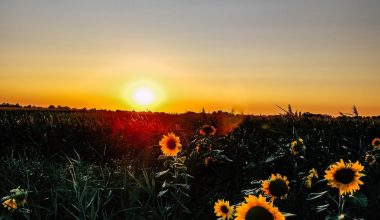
x=66 y=107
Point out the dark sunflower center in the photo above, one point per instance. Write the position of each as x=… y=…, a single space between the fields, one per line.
x=258 y=213
x=370 y=159
x=345 y=175
x=278 y=188
x=207 y=129
x=224 y=209
x=171 y=144
x=376 y=143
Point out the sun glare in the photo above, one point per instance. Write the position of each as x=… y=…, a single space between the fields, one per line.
x=143 y=95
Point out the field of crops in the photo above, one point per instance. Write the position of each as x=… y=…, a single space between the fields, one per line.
x=66 y=164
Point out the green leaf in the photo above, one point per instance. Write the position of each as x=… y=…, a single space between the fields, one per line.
x=313 y=196
x=186 y=175
x=332 y=217
x=321 y=181
x=165 y=184
x=225 y=158
x=247 y=192
x=162 y=192
x=274 y=157
x=256 y=182
x=359 y=199
x=182 y=159
x=321 y=208
x=184 y=186
x=161 y=157
x=285 y=214
x=185 y=194
x=186 y=210
x=218 y=151
x=159 y=174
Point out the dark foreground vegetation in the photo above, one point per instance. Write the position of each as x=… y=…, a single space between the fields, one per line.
x=108 y=165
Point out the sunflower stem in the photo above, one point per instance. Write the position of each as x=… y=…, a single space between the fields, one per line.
x=175 y=168
x=334 y=200
x=340 y=206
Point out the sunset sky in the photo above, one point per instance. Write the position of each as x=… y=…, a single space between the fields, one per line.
x=319 y=56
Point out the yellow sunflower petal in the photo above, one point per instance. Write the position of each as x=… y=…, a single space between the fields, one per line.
x=257 y=207
x=223 y=209
x=345 y=176
x=170 y=145
x=276 y=187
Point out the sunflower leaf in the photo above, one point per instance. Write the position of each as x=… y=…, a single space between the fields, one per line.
x=184 y=186
x=274 y=157
x=159 y=174
x=332 y=217
x=186 y=175
x=186 y=210
x=256 y=182
x=321 y=208
x=313 y=196
x=285 y=214
x=359 y=199
x=165 y=185
x=321 y=181
x=225 y=158
x=182 y=159
x=217 y=151
x=247 y=192
x=162 y=192
x=185 y=194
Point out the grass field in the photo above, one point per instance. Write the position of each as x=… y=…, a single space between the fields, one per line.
x=66 y=164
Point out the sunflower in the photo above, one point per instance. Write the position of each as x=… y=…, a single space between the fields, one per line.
x=257 y=208
x=10 y=204
x=297 y=146
x=223 y=209
x=376 y=143
x=345 y=176
x=276 y=187
x=207 y=130
x=309 y=179
x=370 y=159
x=170 y=145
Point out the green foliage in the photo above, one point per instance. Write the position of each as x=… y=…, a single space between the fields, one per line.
x=174 y=191
x=118 y=175
x=358 y=199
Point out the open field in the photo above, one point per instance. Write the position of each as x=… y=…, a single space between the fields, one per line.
x=174 y=110
x=109 y=165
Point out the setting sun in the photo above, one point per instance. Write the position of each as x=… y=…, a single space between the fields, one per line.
x=143 y=96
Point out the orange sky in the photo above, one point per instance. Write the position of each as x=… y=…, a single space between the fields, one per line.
x=247 y=56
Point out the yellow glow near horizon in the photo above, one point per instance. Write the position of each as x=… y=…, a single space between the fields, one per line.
x=143 y=95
